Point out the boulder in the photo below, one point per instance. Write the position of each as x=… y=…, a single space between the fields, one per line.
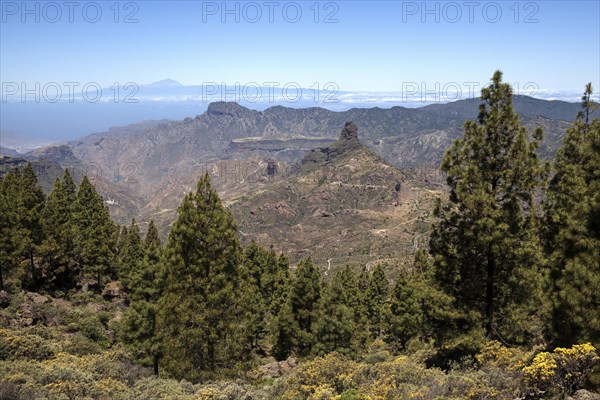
x=38 y=298
x=112 y=292
x=584 y=395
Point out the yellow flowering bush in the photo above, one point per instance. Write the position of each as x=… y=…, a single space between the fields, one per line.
x=541 y=371
x=65 y=376
x=224 y=390
x=208 y=393
x=352 y=394
x=108 y=376
x=562 y=370
x=323 y=392
x=324 y=374
x=15 y=344
x=404 y=377
x=495 y=354
x=164 y=389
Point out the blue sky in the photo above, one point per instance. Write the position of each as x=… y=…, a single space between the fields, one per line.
x=373 y=46
x=384 y=53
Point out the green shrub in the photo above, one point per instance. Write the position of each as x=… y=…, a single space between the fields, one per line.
x=79 y=345
x=13 y=391
x=16 y=345
x=89 y=325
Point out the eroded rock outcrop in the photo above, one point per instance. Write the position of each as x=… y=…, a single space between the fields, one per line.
x=350 y=131
x=347 y=142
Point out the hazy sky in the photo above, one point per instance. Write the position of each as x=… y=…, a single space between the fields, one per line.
x=360 y=46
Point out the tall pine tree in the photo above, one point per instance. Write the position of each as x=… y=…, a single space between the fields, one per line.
x=282 y=324
x=304 y=297
x=405 y=318
x=376 y=299
x=334 y=328
x=280 y=286
x=58 y=250
x=199 y=310
x=485 y=244
x=131 y=254
x=145 y=279
x=573 y=231
x=95 y=234
x=30 y=203
x=9 y=232
x=355 y=299
x=253 y=296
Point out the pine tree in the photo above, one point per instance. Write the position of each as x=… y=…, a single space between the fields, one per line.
x=54 y=217
x=264 y=290
x=122 y=236
x=281 y=285
x=485 y=245
x=349 y=283
x=334 y=327
x=30 y=202
x=276 y=269
x=376 y=299
x=573 y=231
x=282 y=324
x=9 y=232
x=121 y=240
x=253 y=324
x=199 y=310
x=95 y=233
x=363 y=280
x=131 y=255
x=261 y=265
x=251 y=297
x=151 y=241
x=404 y=318
x=364 y=334
x=58 y=250
x=304 y=297
x=420 y=309
x=451 y=329
x=284 y=328
x=255 y=260
x=140 y=330
x=69 y=188
x=355 y=299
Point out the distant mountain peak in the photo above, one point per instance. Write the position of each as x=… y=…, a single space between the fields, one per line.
x=166 y=83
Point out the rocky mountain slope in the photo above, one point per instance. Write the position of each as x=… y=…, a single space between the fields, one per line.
x=341 y=205
x=212 y=133
x=49 y=163
x=151 y=156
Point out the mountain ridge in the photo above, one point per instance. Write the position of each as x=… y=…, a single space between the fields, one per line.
x=158 y=162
